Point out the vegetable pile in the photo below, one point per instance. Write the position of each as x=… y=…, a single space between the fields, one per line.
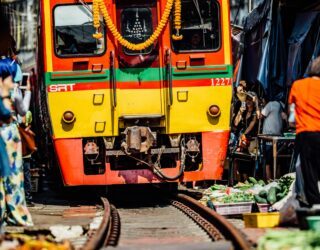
x=251 y=190
x=276 y=192
x=223 y=194
x=236 y=197
x=290 y=240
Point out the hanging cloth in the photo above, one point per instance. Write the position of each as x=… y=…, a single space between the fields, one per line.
x=302 y=25
x=316 y=52
x=263 y=72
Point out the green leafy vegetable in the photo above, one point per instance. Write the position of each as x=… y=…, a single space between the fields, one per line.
x=290 y=240
x=237 y=197
x=218 y=187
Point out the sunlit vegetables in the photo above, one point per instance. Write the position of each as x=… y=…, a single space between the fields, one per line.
x=277 y=192
x=237 y=197
x=252 y=180
x=218 y=187
x=259 y=199
x=285 y=183
x=263 y=194
x=290 y=240
x=244 y=186
x=250 y=190
x=272 y=198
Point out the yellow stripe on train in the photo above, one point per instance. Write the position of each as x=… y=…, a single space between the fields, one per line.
x=94 y=115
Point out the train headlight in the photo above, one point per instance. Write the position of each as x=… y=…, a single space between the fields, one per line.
x=68 y=117
x=214 y=111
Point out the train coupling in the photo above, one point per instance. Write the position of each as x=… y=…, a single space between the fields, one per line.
x=138 y=139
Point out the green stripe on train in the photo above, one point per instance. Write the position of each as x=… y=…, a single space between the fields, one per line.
x=139 y=74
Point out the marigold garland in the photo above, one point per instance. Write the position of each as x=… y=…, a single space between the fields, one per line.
x=141 y=46
x=96 y=20
x=177 y=20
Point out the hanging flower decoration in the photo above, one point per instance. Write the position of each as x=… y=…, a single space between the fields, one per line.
x=177 y=20
x=96 y=20
x=125 y=43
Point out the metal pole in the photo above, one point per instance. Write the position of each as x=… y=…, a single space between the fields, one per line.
x=250 y=5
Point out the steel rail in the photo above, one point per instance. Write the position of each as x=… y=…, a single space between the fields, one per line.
x=108 y=231
x=214 y=224
x=209 y=228
x=115 y=227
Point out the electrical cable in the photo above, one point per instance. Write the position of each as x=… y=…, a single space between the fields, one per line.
x=156 y=168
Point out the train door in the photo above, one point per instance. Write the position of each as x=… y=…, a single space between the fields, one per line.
x=196 y=63
x=77 y=71
x=139 y=73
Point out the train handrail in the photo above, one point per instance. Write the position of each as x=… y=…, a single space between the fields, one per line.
x=113 y=79
x=169 y=75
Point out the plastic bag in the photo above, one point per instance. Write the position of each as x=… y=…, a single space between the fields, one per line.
x=287 y=207
x=270 y=185
x=288 y=215
x=255 y=189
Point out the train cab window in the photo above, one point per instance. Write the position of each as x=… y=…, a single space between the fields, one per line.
x=73 y=32
x=200 y=26
x=136 y=27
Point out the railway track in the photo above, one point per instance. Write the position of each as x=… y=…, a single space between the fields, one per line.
x=177 y=221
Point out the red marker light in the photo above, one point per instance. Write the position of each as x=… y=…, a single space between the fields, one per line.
x=214 y=111
x=68 y=117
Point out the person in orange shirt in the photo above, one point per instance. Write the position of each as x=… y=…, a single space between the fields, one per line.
x=305 y=95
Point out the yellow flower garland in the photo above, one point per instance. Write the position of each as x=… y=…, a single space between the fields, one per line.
x=177 y=20
x=118 y=36
x=96 y=20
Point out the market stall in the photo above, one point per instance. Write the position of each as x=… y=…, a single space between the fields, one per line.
x=249 y=196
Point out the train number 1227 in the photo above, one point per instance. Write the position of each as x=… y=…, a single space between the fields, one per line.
x=221 y=81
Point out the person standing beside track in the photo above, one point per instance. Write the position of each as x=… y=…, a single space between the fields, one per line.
x=274 y=118
x=13 y=207
x=5 y=116
x=305 y=95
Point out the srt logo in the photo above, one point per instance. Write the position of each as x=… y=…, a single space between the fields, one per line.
x=61 y=87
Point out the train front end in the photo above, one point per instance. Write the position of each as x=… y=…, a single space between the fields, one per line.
x=148 y=104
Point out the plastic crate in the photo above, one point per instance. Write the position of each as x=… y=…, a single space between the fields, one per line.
x=233 y=208
x=263 y=207
x=261 y=220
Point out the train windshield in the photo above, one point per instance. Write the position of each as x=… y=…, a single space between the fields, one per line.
x=136 y=27
x=200 y=26
x=73 y=31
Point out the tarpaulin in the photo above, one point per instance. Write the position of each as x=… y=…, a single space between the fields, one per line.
x=255 y=37
x=279 y=45
x=301 y=28
x=315 y=53
x=272 y=69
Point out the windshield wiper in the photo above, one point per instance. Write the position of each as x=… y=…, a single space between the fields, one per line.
x=86 y=6
x=196 y=4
